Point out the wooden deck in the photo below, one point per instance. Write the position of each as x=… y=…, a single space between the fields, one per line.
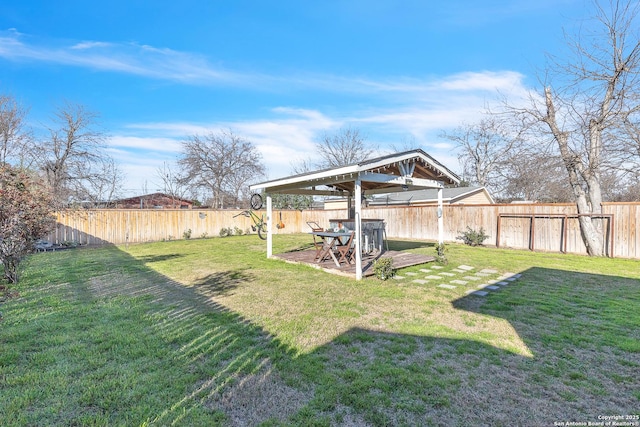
x=400 y=260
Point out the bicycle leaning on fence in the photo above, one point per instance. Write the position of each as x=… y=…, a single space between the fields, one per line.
x=259 y=223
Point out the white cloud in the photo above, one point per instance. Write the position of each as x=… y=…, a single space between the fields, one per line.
x=150 y=143
x=290 y=133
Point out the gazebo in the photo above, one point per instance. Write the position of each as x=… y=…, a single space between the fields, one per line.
x=409 y=170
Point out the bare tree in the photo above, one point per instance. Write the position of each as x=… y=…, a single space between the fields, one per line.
x=102 y=182
x=73 y=157
x=535 y=176
x=486 y=149
x=14 y=135
x=345 y=147
x=221 y=163
x=595 y=93
x=174 y=184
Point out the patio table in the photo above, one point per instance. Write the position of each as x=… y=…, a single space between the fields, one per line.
x=331 y=240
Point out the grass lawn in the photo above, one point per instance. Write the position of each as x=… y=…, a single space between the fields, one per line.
x=210 y=332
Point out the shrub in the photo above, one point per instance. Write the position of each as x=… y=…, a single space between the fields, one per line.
x=238 y=231
x=472 y=237
x=187 y=234
x=383 y=268
x=226 y=232
x=440 y=254
x=25 y=216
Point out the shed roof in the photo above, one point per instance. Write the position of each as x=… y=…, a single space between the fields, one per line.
x=408 y=170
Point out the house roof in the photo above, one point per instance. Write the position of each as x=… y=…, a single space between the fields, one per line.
x=151 y=196
x=410 y=169
x=451 y=195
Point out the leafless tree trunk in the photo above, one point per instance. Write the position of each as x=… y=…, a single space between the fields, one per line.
x=598 y=91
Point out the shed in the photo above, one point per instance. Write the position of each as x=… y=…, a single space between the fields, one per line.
x=405 y=171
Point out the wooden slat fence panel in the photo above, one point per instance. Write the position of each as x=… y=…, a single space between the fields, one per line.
x=120 y=226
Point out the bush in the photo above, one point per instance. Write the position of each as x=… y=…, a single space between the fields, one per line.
x=440 y=254
x=25 y=216
x=225 y=232
x=187 y=234
x=383 y=268
x=472 y=237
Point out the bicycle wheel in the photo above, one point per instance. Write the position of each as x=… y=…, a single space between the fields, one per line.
x=262 y=231
x=256 y=201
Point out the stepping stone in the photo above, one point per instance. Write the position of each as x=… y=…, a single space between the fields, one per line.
x=411 y=273
x=459 y=282
x=425 y=270
x=471 y=278
x=432 y=277
x=502 y=283
x=517 y=276
x=484 y=285
x=396 y=277
x=481 y=274
x=488 y=271
x=466 y=267
x=447 y=274
x=446 y=286
x=457 y=270
x=437 y=267
x=493 y=287
x=511 y=279
x=480 y=293
x=491 y=282
x=509 y=274
x=420 y=281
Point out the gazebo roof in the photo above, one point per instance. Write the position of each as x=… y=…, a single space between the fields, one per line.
x=408 y=170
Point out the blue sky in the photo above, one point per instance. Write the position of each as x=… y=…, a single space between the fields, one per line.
x=279 y=73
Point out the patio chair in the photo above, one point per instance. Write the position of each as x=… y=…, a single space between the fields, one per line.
x=318 y=242
x=346 y=251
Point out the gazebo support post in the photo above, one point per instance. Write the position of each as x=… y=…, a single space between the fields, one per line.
x=269 y=226
x=358 y=222
x=440 y=218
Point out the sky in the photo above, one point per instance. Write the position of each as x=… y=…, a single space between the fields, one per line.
x=281 y=74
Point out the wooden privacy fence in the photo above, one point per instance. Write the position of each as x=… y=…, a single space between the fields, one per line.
x=545 y=227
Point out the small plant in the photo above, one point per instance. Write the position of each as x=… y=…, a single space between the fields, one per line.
x=441 y=258
x=226 y=232
x=238 y=231
x=204 y=235
x=187 y=234
x=472 y=237
x=383 y=268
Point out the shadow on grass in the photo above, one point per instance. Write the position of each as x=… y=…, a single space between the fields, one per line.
x=404 y=245
x=583 y=332
x=221 y=283
x=159 y=258
x=151 y=350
